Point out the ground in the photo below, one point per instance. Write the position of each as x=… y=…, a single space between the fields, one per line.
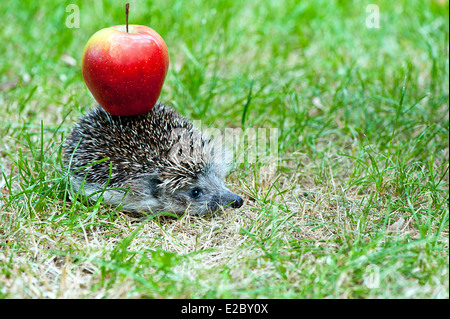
x=356 y=205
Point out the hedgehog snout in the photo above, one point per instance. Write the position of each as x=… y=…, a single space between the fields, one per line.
x=237 y=202
x=231 y=199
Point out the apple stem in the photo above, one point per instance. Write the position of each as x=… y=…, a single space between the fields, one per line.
x=127 y=8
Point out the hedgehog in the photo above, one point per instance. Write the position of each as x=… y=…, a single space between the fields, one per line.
x=152 y=163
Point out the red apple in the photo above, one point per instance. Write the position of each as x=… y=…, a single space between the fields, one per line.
x=125 y=71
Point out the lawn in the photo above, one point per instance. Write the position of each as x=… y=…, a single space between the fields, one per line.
x=353 y=205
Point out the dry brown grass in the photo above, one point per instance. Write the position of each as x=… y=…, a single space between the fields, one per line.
x=309 y=222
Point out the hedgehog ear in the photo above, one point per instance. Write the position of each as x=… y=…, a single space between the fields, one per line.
x=154 y=179
x=145 y=183
x=154 y=182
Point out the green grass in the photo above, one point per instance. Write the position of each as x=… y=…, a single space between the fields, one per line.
x=358 y=205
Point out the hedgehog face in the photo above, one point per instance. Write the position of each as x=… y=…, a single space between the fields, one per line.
x=207 y=195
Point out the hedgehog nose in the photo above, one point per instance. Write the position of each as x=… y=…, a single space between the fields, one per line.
x=237 y=202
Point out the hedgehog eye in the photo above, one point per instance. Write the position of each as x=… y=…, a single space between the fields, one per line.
x=196 y=193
